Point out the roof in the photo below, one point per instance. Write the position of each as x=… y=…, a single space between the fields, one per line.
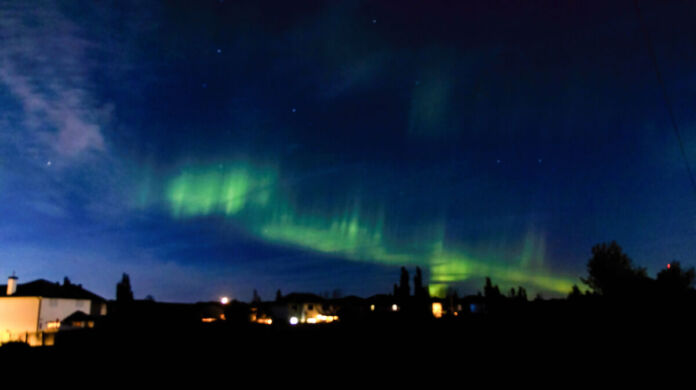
x=44 y=288
x=77 y=316
x=382 y=299
x=301 y=298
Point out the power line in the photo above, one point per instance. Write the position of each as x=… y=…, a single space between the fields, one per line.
x=665 y=96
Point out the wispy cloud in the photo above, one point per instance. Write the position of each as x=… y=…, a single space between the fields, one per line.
x=45 y=66
x=55 y=157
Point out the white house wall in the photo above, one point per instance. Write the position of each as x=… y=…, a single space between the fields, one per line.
x=53 y=309
x=18 y=315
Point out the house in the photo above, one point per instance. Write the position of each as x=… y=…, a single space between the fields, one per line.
x=384 y=303
x=301 y=308
x=33 y=312
x=78 y=320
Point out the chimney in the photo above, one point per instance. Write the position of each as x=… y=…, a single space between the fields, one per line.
x=11 y=285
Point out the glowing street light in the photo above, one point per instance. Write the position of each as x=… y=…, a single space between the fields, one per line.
x=224 y=300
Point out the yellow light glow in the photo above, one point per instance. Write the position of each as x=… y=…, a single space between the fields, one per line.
x=320 y=319
x=395 y=307
x=53 y=325
x=208 y=319
x=372 y=307
x=437 y=309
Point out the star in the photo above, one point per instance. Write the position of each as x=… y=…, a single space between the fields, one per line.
x=374 y=21
x=294 y=109
x=539 y=161
x=219 y=51
x=204 y=85
x=49 y=163
x=497 y=161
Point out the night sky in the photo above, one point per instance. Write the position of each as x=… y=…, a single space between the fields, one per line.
x=210 y=148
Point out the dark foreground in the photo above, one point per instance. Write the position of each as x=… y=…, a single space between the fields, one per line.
x=560 y=337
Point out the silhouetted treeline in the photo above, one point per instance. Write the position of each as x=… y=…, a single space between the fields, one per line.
x=617 y=301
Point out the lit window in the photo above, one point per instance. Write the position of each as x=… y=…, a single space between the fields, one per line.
x=265 y=321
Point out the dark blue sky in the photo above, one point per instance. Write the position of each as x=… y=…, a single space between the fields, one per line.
x=211 y=148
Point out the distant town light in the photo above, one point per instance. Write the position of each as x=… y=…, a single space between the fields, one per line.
x=294 y=321
x=437 y=309
x=669 y=265
x=224 y=300
x=395 y=307
x=372 y=307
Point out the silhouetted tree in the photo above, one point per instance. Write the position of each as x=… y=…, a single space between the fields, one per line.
x=123 y=290
x=611 y=272
x=491 y=291
x=452 y=292
x=336 y=293
x=404 y=288
x=279 y=295
x=419 y=290
x=150 y=298
x=575 y=293
x=421 y=297
x=255 y=297
x=452 y=298
x=521 y=294
x=675 y=279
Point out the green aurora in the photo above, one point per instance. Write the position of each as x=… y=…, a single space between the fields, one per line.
x=255 y=197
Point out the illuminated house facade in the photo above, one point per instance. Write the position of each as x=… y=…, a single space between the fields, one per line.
x=299 y=308
x=33 y=312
